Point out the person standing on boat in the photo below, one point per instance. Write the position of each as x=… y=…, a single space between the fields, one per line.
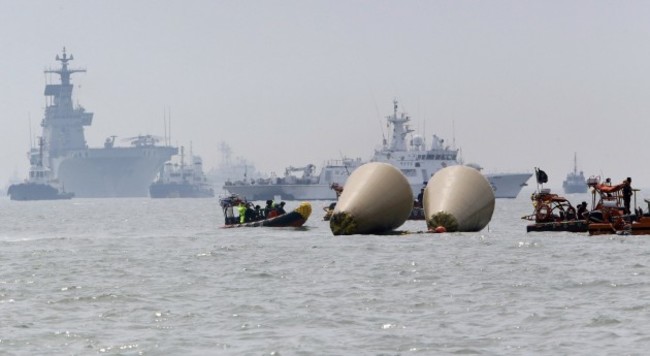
x=627 y=194
x=420 y=198
x=268 y=208
x=582 y=209
x=241 y=209
x=280 y=208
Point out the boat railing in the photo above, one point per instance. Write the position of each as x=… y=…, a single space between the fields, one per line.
x=344 y=162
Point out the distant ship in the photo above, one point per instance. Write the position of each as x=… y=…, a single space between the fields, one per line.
x=416 y=161
x=575 y=181
x=230 y=168
x=309 y=186
x=40 y=185
x=181 y=180
x=110 y=171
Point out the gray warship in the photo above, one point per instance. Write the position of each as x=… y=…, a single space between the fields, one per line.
x=109 y=171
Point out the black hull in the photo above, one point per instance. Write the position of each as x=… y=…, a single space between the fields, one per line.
x=292 y=219
x=173 y=190
x=567 y=226
x=295 y=218
x=32 y=191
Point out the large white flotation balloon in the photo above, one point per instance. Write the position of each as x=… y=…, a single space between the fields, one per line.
x=376 y=198
x=458 y=198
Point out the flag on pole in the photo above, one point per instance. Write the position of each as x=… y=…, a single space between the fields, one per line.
x=541 y=176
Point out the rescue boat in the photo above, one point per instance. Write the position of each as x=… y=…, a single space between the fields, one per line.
x=295 y=218
x=609 y=217
x=552 y=212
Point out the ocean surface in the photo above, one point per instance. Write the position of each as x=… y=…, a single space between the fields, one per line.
x=160 y=277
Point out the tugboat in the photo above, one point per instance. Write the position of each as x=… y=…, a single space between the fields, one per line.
x=40 y=185
x=182 y=180
x=575 y=181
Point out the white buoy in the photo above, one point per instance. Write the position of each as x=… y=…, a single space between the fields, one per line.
x=376 y=198
x=458 y=198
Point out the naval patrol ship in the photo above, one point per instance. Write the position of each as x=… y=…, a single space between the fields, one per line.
x=108 y=171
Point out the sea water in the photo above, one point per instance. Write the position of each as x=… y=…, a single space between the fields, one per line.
x=152 y=277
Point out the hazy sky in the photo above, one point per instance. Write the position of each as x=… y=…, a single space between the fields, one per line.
x=517 y=84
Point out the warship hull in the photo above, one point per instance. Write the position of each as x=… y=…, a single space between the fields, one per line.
x=111 y=172
x=573 y=187
x=176 y=190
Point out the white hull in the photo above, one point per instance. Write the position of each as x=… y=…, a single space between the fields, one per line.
x=505 y=186
x=508 y=185
x=285 y=191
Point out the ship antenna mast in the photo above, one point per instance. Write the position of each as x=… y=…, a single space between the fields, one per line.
x=169 y=122
x=41 y=142
x=453 y=133
x=165 y=125
x=182 y=158
x=64 y=72
x=31 y=139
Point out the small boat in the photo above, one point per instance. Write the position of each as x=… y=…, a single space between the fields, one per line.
x=608 y=216
x=181 y=180
x=552 y=212
x=575 y=181
x=254 y=216
x=40 y=185
x=555 y=213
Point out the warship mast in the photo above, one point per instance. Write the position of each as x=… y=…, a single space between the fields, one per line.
x=63 y=123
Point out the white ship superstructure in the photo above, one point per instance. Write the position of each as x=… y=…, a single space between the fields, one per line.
x=110 y=171
x=419 y=162
x=307 y=185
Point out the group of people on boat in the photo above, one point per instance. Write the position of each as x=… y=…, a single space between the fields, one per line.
x=247 y=212
x=614 y=201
